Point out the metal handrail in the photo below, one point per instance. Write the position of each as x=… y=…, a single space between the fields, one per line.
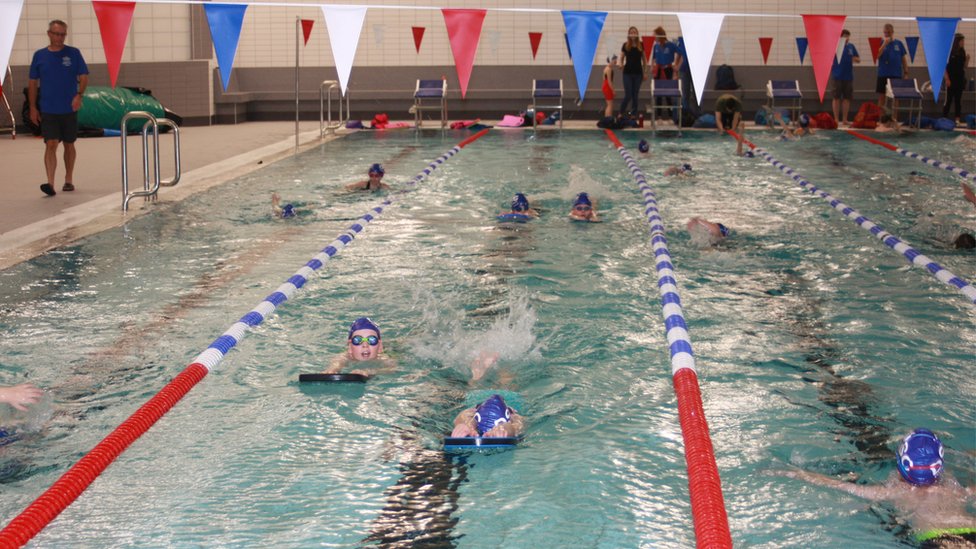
x=152 y=123
x=325 y=94
x=3 y=95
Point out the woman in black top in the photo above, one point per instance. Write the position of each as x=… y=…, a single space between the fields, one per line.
x=635 y=67
x=955 y=76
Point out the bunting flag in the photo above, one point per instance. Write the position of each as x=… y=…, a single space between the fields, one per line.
x=583 y=30
x=801 y=47
x=307 y=28
x=9 y=18
x=418 y=36
x=937 y=35
x=912 y=43
x=226 y=21
x=765 y=43
x=114 y=19
x=464 y=31
x=875 y=42
x=569 y=50
x=700 y=32
x=344 y=24
x=648 y=42
x=823 y=32
x=534 y=39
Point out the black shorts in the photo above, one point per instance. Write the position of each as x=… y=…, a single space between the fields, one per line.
x=882 y=86
x=727 y=118
x=844 y=89
x=59 y=127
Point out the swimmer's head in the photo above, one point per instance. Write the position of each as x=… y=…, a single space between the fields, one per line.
x=920 y=457
x=520 y=203
x=686 y=167
x=582 y=198
x=915 y=172
x=804 y=120
x=363 y=323
x=965 y=241
x=723 y=229
x=491 y=413
x=377 y=169
x=643 y=146
x=288 y=210
x=749 y=154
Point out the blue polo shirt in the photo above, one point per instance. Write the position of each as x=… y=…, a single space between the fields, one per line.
x=889 y=60
x=664 y=55
x=58 y=72
x=845 y=69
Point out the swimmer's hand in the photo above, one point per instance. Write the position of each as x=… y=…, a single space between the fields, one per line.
x=362 y=373
x=20 y=396
x=464 y=430
x=503 y=430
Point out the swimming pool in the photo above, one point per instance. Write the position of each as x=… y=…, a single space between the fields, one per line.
x=817 y=347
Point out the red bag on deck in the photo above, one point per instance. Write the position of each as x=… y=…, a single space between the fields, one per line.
x=825 y=121
x=867 y=116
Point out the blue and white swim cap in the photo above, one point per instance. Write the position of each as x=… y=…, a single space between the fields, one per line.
x=643 y=146
x=582 y=198
x=723 y=229
x=920 y=457
x=749 y=154
x=804 y=120
x=377 y=169
x=363 y=323
x=491 y=413
x=686 y=167
x=288 y=210
x=520 y=203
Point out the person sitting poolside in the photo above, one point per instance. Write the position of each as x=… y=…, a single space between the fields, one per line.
x=20 y=396
x=583 y=209
x=364 y=346
x=702 y=229
x=933 y=502
x=288 y=210
x=520 y=205
x=491 y=418
x=684 y=169
x=373 y=183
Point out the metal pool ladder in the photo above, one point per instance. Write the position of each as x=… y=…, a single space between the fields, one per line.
x=152 y=123
x=325 y=94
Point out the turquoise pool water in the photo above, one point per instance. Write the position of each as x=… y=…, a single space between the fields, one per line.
x=817 y=347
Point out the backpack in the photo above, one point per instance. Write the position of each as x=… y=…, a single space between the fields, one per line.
x=725 y=78
x=867 y=116
x=824 y=120
x=705 y=121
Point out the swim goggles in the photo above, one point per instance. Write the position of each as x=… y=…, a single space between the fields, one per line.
x=358 y=340
x=582 y=208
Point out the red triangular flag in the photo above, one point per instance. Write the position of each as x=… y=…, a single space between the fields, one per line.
x=648 y=47
x=875 y=42
x=823 y=32
x=464 y=31
x=534 y=39
x=307 y=28
x=114 y=19
x=765 y=43
x=418 y=36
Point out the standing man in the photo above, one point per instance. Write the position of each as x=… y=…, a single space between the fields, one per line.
x=892 y=61
x=843 y=73
x=65 y=76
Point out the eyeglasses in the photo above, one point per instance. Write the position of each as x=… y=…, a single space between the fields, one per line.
x=582 y=208
x=358 y=340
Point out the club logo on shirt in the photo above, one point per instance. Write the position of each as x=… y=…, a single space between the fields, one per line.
x=65 y=61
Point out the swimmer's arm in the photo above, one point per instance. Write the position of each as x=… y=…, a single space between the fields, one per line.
x=388 y=366
x=511 y=428
x=356 y=186
x=337 y=363
x=859 y=490
x=464 y=424
x=20 y=396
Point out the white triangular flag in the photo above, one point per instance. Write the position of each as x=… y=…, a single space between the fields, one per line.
x=344 y=24
x=701 y=33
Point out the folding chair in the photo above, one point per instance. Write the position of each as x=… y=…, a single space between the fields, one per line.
x=665 y=88
x=905 y=89
x=785 y=94
x=547 y=90
x=430 y=95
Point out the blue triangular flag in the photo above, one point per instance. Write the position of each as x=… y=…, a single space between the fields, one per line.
x=937 y=34
x=801 y=46
x=583 y=30
x=912 y=43
x=569 y=50
x=225 y=22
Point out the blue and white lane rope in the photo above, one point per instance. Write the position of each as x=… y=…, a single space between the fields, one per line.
x=679 y=341
x=215 y=353
x=965 y=174
x=890 y=240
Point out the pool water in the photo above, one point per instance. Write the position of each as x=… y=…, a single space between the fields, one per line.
x=817 y=347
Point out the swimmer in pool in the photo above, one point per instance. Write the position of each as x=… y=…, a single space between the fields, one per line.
x=801 y=128
x=491 y=418
x=583 y=209
x=683 y=170
x=520 y=205
x=363 y=347
x=644 y=147
x=20 y=396
x=373 y=183
x=288 y=210
x=964 y=241
x=933 y=502
x=712 y=232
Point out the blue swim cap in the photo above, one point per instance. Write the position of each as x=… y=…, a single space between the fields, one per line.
x=723 y=229
x=920 y=457
x=686 y=167
x=520 y=203
x=491 y=413
x=749 y=154
x=582 y=198
x=376 y=168
x=288 y=210
x=643 y=146
x=363 y=323
x=804 y=120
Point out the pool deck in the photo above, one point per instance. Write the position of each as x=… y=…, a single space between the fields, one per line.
x=32 y=223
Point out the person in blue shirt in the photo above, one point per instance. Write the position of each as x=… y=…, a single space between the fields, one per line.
x=843 y=73
x=892 y=62
x=665 y=60
x=63 y=72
